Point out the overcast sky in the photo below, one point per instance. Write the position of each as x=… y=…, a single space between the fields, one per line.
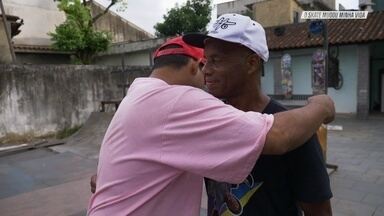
x=146 y=13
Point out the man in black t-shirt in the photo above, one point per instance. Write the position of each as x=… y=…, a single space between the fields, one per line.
x=278 y=185
x=298 y=177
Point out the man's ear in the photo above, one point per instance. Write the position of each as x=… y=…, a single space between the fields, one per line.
x=194 y=67
x=253 y=63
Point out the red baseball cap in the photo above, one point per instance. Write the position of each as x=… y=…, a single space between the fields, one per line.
x=184 y=49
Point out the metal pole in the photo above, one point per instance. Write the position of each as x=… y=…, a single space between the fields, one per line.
x=7 y=31
x=334 y=167
x=326 y=48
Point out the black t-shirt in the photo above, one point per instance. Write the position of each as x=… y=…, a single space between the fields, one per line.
x=275 y=184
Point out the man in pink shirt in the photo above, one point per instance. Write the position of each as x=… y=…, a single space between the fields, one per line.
x=168 y=134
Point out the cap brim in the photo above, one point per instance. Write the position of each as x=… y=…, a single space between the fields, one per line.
x=195 y=39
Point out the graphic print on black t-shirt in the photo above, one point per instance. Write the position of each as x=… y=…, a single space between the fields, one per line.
x=276 y=183
x=228 y=199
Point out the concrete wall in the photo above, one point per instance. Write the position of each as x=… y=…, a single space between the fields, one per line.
x=46 y=98
x=135 y=53
x=329 y=3
x=120 y=29
x=5 y=53
x=138 y=58
x=40 y=17
x=237 y=6
x=282 y=10
x=295 y=8
x=345 y=98
x=42 y=58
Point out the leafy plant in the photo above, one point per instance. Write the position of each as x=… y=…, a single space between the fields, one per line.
x=193 y=16
x=77 y=33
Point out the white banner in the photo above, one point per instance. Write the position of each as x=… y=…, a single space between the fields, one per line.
x=334 y=15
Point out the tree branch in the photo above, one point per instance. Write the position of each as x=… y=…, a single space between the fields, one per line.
x=113 y=2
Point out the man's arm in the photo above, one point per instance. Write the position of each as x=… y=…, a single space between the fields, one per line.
x=293 y=128
x=93 y=183
x=317 y=209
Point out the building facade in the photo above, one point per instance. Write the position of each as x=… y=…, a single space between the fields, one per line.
x=121 y=29
x=237 y=6
x=358 y=46
x=33 y=44
x=40 y=17
x=137 y=53
x=6 y=52
x=284 y=11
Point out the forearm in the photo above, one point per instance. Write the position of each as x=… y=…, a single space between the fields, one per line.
x=317 y=209
x=293 y=128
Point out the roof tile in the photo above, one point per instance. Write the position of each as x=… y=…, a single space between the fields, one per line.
x=346 y=31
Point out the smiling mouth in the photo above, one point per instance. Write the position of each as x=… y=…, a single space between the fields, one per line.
x=210 y=85
x=211 y=82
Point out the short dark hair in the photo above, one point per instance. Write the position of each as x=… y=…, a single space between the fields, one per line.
x=176 y=61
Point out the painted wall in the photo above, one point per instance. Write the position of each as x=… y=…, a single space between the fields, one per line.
x=379 y=5
x=40 y=17
x=267 y=81
x=301 y=74
x=46 y=98
x=345 y=98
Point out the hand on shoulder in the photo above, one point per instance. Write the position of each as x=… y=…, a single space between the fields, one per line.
x=327 y=104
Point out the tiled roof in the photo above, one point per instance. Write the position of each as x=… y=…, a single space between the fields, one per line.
x=339 y=32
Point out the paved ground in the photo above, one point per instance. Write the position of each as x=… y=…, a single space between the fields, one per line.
x=41 y=182
x=45 y=182
x=53 y=181
x=358 y=150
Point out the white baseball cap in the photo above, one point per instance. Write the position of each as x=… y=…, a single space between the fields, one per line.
x=234 y=28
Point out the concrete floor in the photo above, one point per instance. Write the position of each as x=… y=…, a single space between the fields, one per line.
x=46 y=182
x=358 y=150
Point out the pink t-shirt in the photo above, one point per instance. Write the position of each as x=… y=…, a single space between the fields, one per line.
x=161 y=142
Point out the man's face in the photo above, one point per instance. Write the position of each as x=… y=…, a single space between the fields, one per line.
x=225 y=71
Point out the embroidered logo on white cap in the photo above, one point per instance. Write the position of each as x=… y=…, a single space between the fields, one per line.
x=222 y=23
x=234 y=28
x=241 y=29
